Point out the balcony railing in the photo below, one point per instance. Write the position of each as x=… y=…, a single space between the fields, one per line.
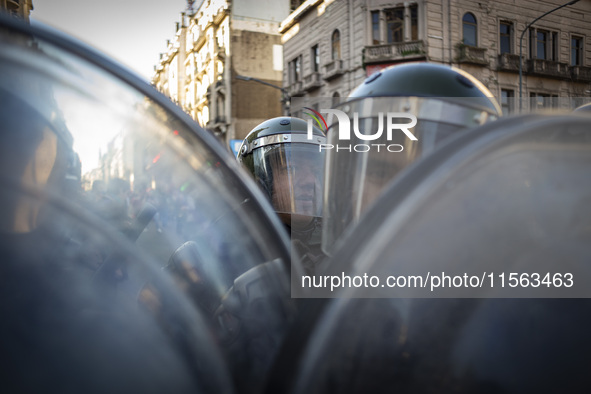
x=395 y=51
x=296 y=89
x=333 y=69
x=580 y=73
x=508 y=62
x=547 y=68
x=216 y=123
x=312 y=81
x=472 y=55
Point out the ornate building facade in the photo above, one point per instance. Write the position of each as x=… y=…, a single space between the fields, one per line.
x=330 y=46
x=214 y=46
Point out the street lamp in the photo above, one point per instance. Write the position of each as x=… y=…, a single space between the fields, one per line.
x=284 y=94
x=521 y=40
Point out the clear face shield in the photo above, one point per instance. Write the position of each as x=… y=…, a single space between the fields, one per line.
x=291 y=174
x=386 y=134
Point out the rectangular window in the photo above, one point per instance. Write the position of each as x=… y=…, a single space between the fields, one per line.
x=315 y=55
x=506 y=37
x=541 y=42
x=298 y=68
x=414 y=22
x=394 y=25
x=507 y=101
x=532 y=40
x=576 y=51
x=375 y=27
x=542 y=100
x=290 y=70
x=554 y=44
x=536 y=100
x=295 y=70
x=399 y=25
x=544 y=45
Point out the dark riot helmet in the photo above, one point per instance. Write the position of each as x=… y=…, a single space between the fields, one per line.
x=430 y=101
x=284 y=157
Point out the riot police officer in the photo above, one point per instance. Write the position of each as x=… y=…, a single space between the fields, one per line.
x=397 y=115
x=287 y=163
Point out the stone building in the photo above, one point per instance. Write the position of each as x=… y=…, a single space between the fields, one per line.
x=215 y=44
x=18 y=8
x=330 y=46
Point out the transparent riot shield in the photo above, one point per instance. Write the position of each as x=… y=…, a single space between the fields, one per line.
x=469 y=274
x=135 y=256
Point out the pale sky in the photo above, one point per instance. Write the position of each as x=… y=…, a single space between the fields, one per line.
x=133 y=32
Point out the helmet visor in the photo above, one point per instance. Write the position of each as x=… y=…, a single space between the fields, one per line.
x=291 y=174
x=382 y=136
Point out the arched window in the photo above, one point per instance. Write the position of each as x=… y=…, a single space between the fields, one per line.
x=469 y=29
x=336 y=45
x=336 y=99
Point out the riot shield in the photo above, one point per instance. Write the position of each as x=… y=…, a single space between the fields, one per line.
x=136 y=256
x=469 y=274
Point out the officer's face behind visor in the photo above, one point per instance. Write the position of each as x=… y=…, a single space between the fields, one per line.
x=291 y=175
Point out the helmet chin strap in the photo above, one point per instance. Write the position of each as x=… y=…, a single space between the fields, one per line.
x=309 y=233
